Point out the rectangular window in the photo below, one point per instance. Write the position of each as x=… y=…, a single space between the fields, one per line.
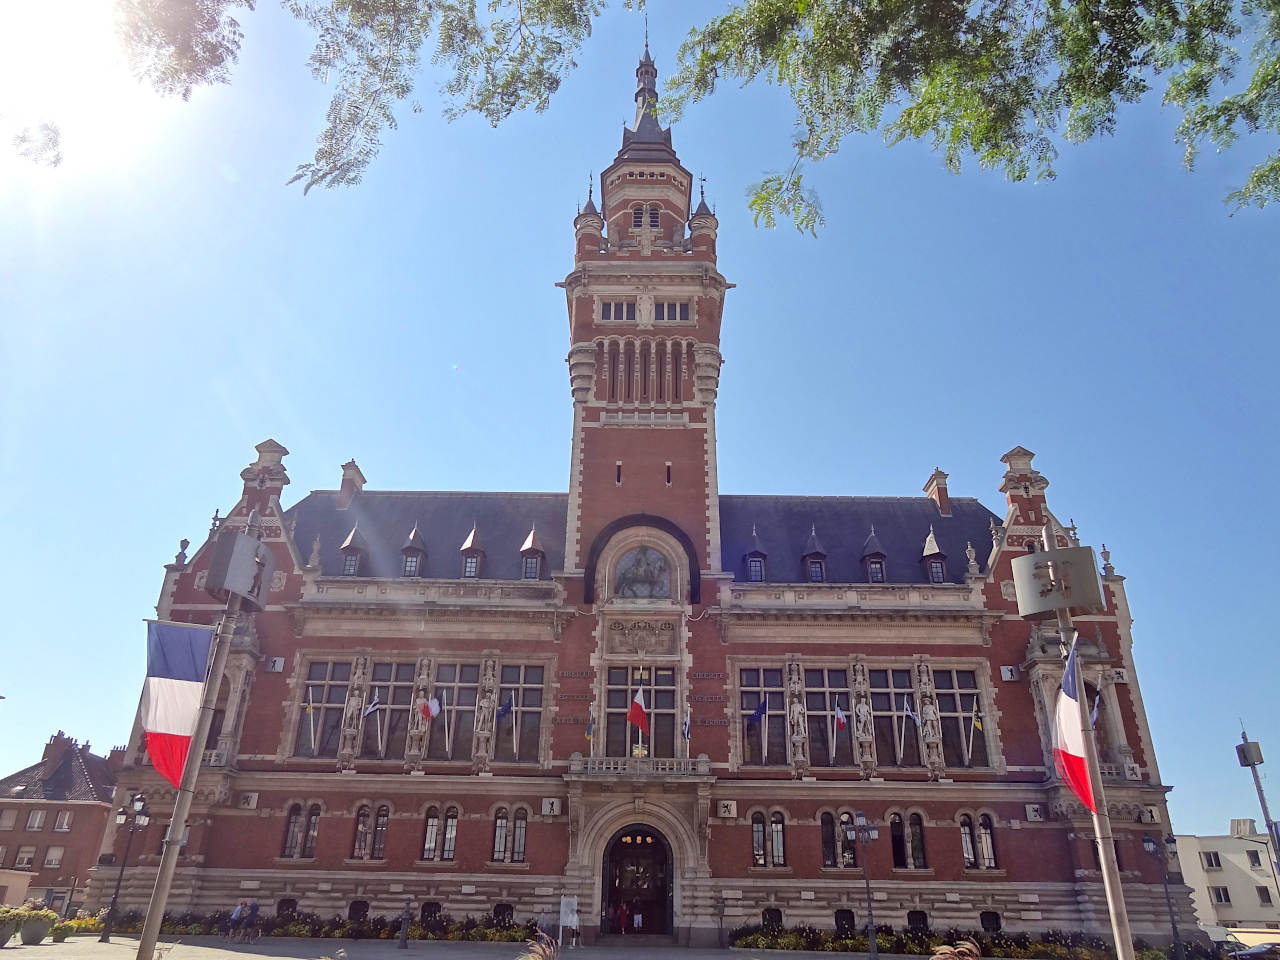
x=655 y=216
x=411 y=561
x=450 y=734
x=1264 y=896
x=324 y=697
x=964 y=741
x=63 y=822
x=621 y=738
x=215 y=729
x=350 y=564
x=531 y=565
x=25 y=857
x=816 y=572
x=1220 y=894
x=4 y=852
x=471 y=565
x=8 y=819
x=1211 y=860
x=1255 y=858
x=186 y=835
x=53 y=857
x=875 y=571
x=897 y=735
x=35 y=820
x=764 y=740
x=385 y=729
x=665 y=311
x=519 y=731
x=824 y=690
x=618 y=311
x=755 y=569
x=450 y=837
x=937 y=572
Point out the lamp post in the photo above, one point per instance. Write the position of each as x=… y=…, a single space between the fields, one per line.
x=136 y=815
x=1162 y=854
x=863 y=831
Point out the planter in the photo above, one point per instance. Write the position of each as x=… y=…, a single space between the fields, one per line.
x=7 y=927
x=33 y=931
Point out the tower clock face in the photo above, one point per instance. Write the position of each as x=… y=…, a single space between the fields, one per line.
x=643 y=572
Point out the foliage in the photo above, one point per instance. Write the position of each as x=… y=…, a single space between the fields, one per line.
x=40 y=144
x=61 y=931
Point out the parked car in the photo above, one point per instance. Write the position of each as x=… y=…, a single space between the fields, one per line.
x=1261 y=951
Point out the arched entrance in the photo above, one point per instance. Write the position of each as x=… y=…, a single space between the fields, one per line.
x=637 y=882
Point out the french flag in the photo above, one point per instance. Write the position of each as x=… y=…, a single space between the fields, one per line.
x=177 y=659
x=841 y=722
x=1068 y=738
x=638 y=716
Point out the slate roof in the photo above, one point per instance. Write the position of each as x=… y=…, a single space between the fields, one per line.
x=503 y=521
x=76 y=775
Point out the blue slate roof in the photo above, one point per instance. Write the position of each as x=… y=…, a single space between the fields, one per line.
x=782 y=525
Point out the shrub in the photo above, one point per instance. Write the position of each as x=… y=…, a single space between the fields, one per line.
x=60 y=931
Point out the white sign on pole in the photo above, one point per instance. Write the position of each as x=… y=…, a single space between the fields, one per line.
x=1052 y=580
x=568 y=915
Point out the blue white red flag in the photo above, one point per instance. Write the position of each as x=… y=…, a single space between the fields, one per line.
x=638 y=716
x=688 y=720
x=841 y=722
x=177 y=659
x=1068 y=738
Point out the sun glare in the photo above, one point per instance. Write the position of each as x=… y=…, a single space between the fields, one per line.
x=61 y=63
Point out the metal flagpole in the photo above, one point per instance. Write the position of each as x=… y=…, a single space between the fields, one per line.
x=972 y=717
x=311 y=716
x=444 y=709
x=191 y=770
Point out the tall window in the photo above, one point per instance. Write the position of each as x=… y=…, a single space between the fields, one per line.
x=450 y=833
x=964 y=740
x=829 y=843
x=500 y=834
x=915 y=842
x=655 y=216
x=622 y=739
x=450 y=735
x=637 y=216
x=757 y=839
x=519 y=826
x=35 y=820
x=379 y=848
x=8 y=818
x=518 y=732
x=898 y=840
x=847 y=840
x=311 y=831
x=350 y=563
x=846 y=925
x=471 y=565
x=360 y=841
x=777 y=840
x=532 y=566
x=292 y=832
x=824 y=691
x=764 y=740
x=431 y=834
x=320 y=719
x=62 y=824
x=385 y=729
x=816 y=571
x=875 y=570
x=986 y=843
x=897 y=735
x=937 y=572
x=215 y=729
x=755 y=569
x=412 y=560
x=968 y=842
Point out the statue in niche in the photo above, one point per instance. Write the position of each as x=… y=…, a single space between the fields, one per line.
x=643 y=573
x=862 y=719
x=930 y=723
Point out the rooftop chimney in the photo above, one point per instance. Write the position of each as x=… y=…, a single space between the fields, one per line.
x=352 y=483
x=1244 y=828
x=935 y=488
x=58 y=744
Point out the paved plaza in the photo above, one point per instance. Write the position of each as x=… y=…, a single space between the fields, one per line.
x=214 y=948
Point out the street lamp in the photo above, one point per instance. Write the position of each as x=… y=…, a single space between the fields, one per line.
x=1162 y=854
x=863 y=831
x=136 y=815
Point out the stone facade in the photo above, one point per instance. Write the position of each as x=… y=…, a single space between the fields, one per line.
x=532 y=621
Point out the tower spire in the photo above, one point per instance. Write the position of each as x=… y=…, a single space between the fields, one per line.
x=646 y=138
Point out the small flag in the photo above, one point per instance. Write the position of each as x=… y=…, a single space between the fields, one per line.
x=372 y=707
x=688 y=720
x=637 y=715
x=1068 y=738
x=1093 y=714
x=841 y=720
x=177 y=659
x=430 y=708
x=759 y=711
x=909 y=710
x=591 y=725
x=507 y=707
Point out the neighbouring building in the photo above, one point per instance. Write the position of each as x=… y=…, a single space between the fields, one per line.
x=532 y=621
x=1232 y=877
x=52 y=818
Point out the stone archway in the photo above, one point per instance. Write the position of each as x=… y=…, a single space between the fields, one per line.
x=637 y=881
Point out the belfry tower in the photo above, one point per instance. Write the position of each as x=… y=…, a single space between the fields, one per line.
x=644 y=301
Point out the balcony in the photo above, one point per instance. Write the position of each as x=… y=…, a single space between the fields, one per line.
x=640 y=767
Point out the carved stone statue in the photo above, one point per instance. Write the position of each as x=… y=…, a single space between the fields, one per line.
x=930 y=725
x=795 y=715
x=355 y=706
x=862 y=719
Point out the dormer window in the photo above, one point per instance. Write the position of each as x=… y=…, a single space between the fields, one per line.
x=875 y=570
x=755 y=569
x=817 y=570
x=412 y=562
x=532 y=567
x=531 y=554
x=350 y=563
x=937 y=571
x=471 y=565
x=353 y=550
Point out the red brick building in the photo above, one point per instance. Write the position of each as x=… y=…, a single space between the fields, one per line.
x=52 y=817
x=534 y=619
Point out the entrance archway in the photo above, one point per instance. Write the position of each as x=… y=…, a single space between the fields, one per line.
x=637 y=882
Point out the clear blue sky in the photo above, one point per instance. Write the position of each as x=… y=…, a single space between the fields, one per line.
x=166 y=303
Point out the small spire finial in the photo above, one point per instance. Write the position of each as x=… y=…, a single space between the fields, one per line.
x=646 y=31
x=590 y=184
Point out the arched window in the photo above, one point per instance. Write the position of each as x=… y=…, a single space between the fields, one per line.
x=848 y=841
x=313 y=828
x=917 y=921
x=846 y=925
x=450 y=833
x=915 y=831
x=757 y=839
x=968 y=842
x=500 y=834
x=655 y=216
x=360 y=842
x=287 y=907
x=772 y=918
x=293 y=832
x=380 y=833
x=778 y=840
x=502 y=914
x=986 y=843
x=990 y=921
x=431 y=834
x=358 y=911
x=430 y=912
x=829 y=841
x=517 y=836
x=898 y=841
x=637 y=216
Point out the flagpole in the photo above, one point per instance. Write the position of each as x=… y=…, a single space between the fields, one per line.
x=311 y=715
x=973 y=714
x=191 y=769
x=1101 y=818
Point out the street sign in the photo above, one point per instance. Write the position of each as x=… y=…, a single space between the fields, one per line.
x=1053 y=580
x=242 y=565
